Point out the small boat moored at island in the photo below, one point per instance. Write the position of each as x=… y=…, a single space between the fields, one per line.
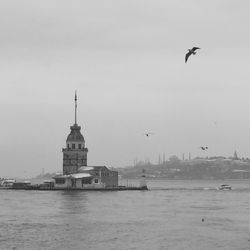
x=21 y=185
x=7 y=183
x=225 y=187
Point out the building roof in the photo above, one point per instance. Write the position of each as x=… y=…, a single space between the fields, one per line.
x=83 y=172
x=92 y=168
x=85 y=168
x=61 y=176
x=73 y=176
x=81 y=175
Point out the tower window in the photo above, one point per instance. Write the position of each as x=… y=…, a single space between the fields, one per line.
x=73 y=146
x=79 y=146
x=68 y=146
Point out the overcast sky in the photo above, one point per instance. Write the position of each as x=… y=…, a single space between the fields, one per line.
x=126 y=60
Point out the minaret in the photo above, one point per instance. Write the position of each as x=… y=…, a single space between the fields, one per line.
x=235 y=157
x=143 y=183
x=75 y=153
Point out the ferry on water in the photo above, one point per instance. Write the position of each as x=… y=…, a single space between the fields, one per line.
x=225 y=187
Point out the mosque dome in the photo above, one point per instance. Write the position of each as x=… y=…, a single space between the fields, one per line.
x=75 y=134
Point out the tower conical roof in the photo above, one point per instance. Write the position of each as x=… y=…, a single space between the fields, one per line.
x=75 y=134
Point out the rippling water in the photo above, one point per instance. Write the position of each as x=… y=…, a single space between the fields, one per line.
x=169 y=216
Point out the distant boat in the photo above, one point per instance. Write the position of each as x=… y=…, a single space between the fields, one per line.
x=7 y=183
x=225 y=187
x=21 y=185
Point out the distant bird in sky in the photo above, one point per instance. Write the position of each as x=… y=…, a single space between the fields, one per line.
x=190 y=52
x=147 y=134
x=204 y=148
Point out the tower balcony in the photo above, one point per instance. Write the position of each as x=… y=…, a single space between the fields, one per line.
x=75 y=150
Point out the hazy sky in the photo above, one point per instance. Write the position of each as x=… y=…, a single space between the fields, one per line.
x=126 y=60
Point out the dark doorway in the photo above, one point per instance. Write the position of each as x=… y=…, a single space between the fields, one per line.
x=73 y=183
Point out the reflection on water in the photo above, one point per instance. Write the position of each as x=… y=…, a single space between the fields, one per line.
x=69 y=202
x=172 y=215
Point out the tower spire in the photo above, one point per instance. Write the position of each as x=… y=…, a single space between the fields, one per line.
x=75 y=107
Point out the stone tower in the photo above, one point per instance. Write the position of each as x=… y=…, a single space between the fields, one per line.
x=75 y=153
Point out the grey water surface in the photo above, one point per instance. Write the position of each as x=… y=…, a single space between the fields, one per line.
x=171 y=215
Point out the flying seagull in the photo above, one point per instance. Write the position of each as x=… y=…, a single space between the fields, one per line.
x=190 y=52
x=147 y=134
x=204 y=148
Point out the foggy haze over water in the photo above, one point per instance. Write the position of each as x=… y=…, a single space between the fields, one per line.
x=126 y=60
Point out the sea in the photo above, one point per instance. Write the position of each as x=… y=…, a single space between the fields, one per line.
x=172 y=214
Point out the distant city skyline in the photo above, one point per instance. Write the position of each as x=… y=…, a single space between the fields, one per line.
x=126 y=60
